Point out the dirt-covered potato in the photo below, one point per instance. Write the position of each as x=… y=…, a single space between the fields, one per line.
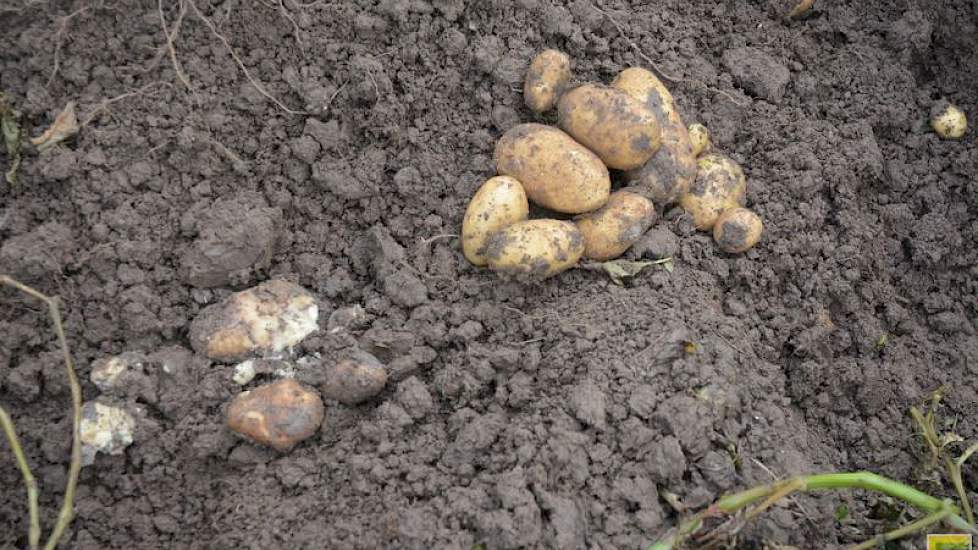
x=355 y=378
x=699 y=137
x=668 y=174
x=500 y=201
x=737 y=230
x=616 y=126
x=280 y=414
x=535 y=249
x=610 y=230
x=545 y=80
x=556 y=172
x=790 y=9
x=720 y=185
x=948 y=121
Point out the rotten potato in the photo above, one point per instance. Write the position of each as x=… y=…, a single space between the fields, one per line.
x=619 y=128
x=948 y=121
x=720 y=184
x=610 y=230
x=535 y=249
x=737 y=230
x=670 y=171
x=699 y=137
x=279 y=415
x=556 y=172
x=545 y=80
x=355 y=378
x=500 y=201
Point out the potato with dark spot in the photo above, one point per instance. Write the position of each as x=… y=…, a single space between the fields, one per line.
x=948 y=120
x=545 y=80
x=279 y=415
x=556 y=172
x=737 y=230
x=610 y=230
x=699 y=137
x=355 y=378
x=668 y=174
x=535 y=249
x=500 y=201
x=619 y=128
x=720 y=185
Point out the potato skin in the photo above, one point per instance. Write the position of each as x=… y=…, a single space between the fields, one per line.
x=699 y=136
x=949 y=121
x=737 y=230
x=545 y=80
x=535 y=249
x=280 y=414
x=616 y=126
x=610 y=230
x=556 y=172
x=669 y=173
x=501 y=201
x=720 y=185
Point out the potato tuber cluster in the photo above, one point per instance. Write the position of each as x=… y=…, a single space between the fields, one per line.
x=631 y=125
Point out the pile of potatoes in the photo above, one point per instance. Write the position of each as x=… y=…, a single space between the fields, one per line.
x=633 y=126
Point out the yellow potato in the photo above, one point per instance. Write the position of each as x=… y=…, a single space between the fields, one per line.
x=699 y=136
x=949 y=122
x=609 y=231
x=556 y=172
x=500 y=201
x=545 y=80
x=737 y=230
x=668 y=174
x=535 y=249
x=720 y=184
x=616 y=126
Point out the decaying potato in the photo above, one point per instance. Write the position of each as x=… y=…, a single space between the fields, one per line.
x=619 y=128
x=264 y=319
x=545 y=80
x=737 y=230
x=790 y=9
x=948 y=121
x=535 y=249
x=556 y=172
x=355 y=378
x=104 y=429
x=720 y=185
x=668 y=174
x=280 y=414
x=610 y=230
x=699 y=137
x=500 y=201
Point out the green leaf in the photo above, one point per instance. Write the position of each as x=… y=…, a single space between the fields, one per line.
x=841 y=512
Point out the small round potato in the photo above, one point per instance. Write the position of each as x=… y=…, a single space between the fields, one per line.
x=948 y=121
x=556 y=172
x=720 y=184
x=545 y=80
x=737 y=230
x=699 y=136
x=500 y=201
x=668 y=174
x=280 y=414
x=535 y=249
x=616 y=126
x=610 y=230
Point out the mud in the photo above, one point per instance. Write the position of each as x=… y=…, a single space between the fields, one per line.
x=552 y=415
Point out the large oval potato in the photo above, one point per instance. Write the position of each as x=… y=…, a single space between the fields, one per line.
x=556 y=172
x=737 y=230
x=613 y=124
x=668 y=174
x=535 y=249
x=720 y=185
x=610 y=230
x=500 y=201
x=545 y=80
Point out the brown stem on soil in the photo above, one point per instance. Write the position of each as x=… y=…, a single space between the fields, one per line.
x=103 y=106
x=34 y=529
x=655 y=67
x=169 y=35
x=67 y=511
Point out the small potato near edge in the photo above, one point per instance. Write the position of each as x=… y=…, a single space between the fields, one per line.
x=610 y=231
x=720 y=185
x=535 y=249
x=737 y=230
x=501 y=201
x=546 y=78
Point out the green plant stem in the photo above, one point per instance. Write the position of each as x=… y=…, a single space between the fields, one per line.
x=908 y=529
x=848 y=480
x=34 y=530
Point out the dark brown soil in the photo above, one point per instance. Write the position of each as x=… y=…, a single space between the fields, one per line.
x=544 y=416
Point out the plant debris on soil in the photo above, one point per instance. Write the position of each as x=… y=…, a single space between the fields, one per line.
x=571 y=413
